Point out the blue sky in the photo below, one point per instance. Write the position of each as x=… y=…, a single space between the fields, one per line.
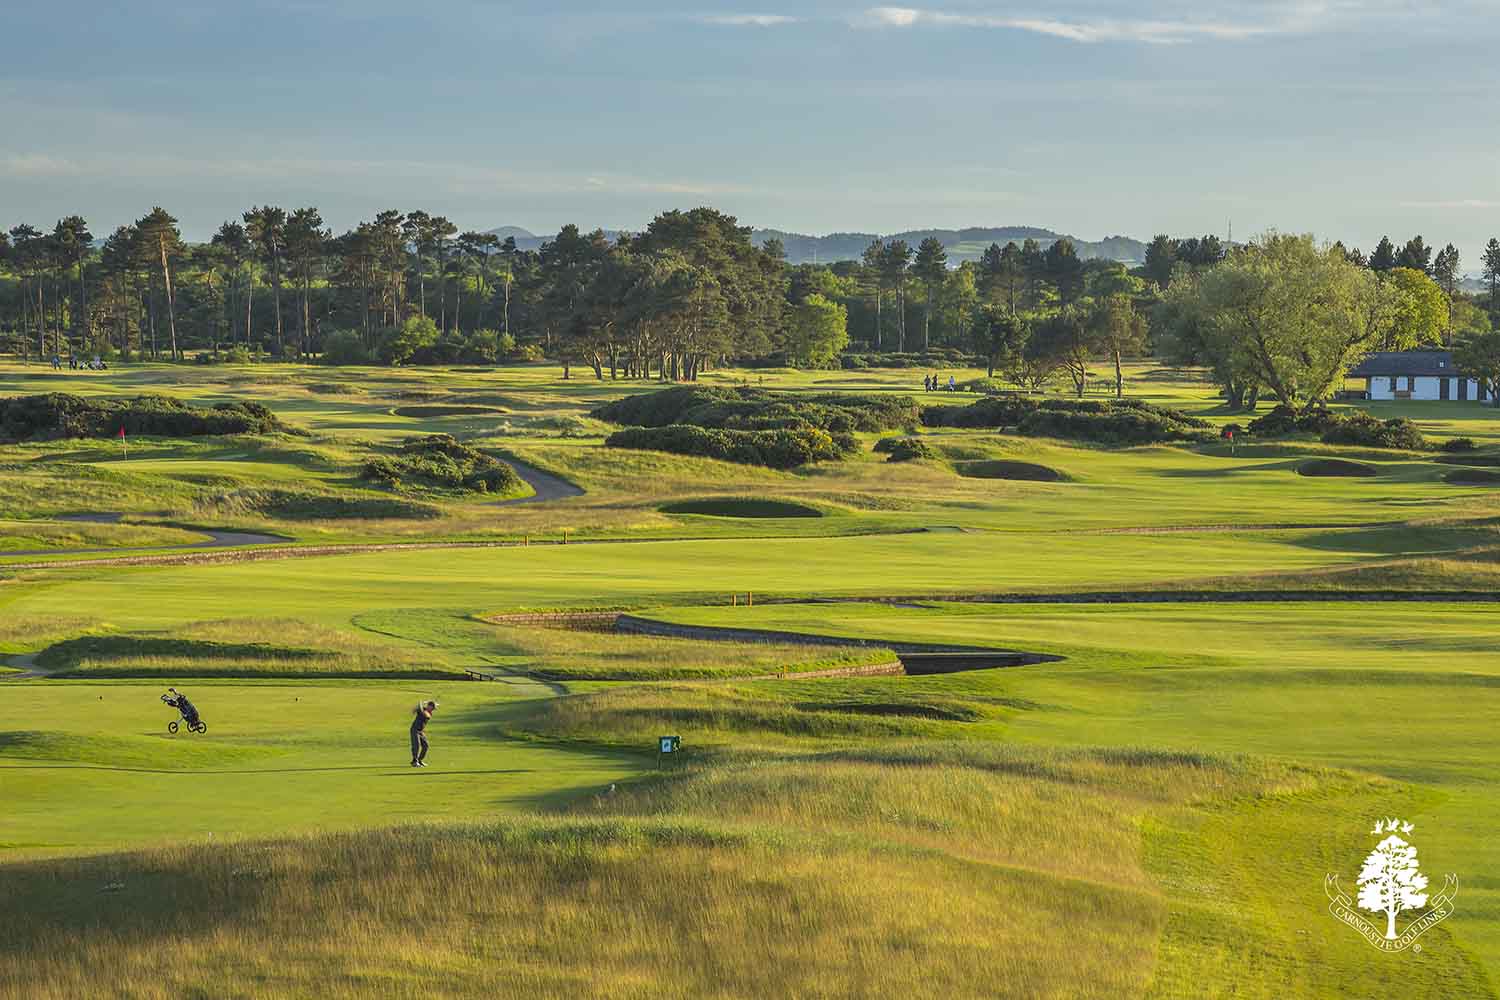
x=1348 y=118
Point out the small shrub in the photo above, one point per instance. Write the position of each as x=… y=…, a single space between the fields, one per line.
x=784 y=448
x=1356 y=428
x=741 y=408
x=438 y=461
x=1283 y=420
x=910 y=449
x=1372 y=432
x=1113 y=421
x=60 y=415
x=1459 y=444
x=346 y=347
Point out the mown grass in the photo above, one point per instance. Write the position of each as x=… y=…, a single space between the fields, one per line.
x=1152 y=816
x=569 y=654
x=236 y=648
x=970 y=872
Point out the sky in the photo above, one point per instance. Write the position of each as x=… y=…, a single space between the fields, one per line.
x=1346 y=118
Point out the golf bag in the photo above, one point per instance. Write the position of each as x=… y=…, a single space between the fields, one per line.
x=186 y=710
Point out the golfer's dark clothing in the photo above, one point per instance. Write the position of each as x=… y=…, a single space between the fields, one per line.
x=418 y=737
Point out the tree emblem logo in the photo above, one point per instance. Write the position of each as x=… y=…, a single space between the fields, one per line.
x=1391 y=883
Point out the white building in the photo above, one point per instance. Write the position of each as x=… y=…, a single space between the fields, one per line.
x=1417 y=375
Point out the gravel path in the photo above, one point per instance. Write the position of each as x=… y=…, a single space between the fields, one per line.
x=547 y=486
x=26 y=663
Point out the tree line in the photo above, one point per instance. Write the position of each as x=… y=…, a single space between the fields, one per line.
x=1278 y=316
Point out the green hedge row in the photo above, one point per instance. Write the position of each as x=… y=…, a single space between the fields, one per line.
x=61 y=415
x=784 y=448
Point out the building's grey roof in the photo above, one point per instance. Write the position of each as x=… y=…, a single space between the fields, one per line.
x=1418 y=363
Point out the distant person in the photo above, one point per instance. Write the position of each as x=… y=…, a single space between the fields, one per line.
x=419 y=732
x=952 y=385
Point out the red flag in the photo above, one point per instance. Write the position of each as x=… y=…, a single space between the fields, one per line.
x=122 y=432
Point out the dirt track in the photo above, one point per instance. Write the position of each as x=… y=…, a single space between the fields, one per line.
x=546 y=485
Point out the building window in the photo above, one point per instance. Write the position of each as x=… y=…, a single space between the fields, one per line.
x=1393 y=383
x=1411 y=383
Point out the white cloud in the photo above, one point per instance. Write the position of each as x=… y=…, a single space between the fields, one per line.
x=749 y=20
x=1282 y=18
x=1479 y=203
x=36 y=165
x=455 y=178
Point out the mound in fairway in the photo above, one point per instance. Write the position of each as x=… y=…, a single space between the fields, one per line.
x=1004 y=469
x=1336 y=467
x=752 y=507
x=1472 y=477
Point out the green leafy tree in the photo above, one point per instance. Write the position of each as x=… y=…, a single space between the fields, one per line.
x=1420 y=310
x=411 y=337
x=1479 y=357
x=1291 y=316
x=1119 y=330
x=999 y=336
x=818 y=330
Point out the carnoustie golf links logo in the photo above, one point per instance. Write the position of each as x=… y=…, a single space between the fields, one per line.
x=1391 y=883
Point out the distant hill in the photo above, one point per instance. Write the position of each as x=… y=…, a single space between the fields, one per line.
x=961 y=244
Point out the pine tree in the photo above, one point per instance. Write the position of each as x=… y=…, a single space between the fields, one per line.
x=931 y=267
x=1492 y=275
x=1161 y=257
x=1416 y=255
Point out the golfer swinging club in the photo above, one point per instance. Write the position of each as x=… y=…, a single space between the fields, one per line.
x=419 y=733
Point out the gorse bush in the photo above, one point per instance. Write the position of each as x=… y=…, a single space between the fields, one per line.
x=905 y=449
x=1355 y=428
x=784 y=448
x=1372 y=432
x=60 y=415
x=1283 y=420
x=1113 y=421
x=737 y=408
x=438 y=461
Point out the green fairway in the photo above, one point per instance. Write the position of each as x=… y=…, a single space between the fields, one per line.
x=1152 y=814
x=276 y=759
